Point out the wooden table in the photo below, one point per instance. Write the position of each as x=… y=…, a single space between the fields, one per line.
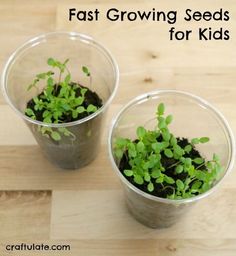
x=85 y=208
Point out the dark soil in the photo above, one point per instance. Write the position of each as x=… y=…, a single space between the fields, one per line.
x=90 y=98
x=166 y=163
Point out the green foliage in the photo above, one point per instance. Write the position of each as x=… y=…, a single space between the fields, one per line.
x=58 y=99
x=192 y=176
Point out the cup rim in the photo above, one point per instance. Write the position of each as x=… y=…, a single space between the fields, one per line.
x=206 y=104
x=40 y=38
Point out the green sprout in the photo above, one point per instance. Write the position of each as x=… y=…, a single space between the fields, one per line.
x=59 y=99
x=164 y=165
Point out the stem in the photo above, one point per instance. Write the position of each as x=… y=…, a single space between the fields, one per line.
x=192 y=180
x=201 y=165
x=212 y=161
x=90 y=81
x=173 y=165
x=73 y=138
x=126 y=156
x=169 y=187
x=59 y=80
x=67 y=70
x=37 y=89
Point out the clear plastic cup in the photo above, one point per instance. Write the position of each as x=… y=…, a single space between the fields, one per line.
x=193 y=117
x=81 y=146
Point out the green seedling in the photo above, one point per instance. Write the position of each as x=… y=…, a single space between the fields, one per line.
x=59 y=98
x=191 y=176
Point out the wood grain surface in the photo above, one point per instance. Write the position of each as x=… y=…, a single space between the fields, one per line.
x=85 y=208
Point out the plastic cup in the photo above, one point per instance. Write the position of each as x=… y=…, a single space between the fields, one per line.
x=193 y=117
x=81 y=147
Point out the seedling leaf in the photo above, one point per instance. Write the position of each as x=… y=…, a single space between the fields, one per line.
x=196 y=185
x=141 y=131
x=56 y=136
x=80 y=109
x=140 y=146
x=168 y=153
x=198 y=160
x=216 y=158
x=166 y=135
x=150 y=187
x=138 y=179
x=128 y=173
x=51 y=62
x=173 y=141
x=180 y=184
x=147 y=177
x=161 y=109
x=169 y=119
x=67 y=79
x=161 y=123
x=85 y=70
x=195 y=141
x=91 y=108
x=188 y=148
x=169 y=180
x=157 y=146
x=155 y=173
x=119 y=153
x=204 y=139
x=121 y=142
x=29 y=112
x=179 y=168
